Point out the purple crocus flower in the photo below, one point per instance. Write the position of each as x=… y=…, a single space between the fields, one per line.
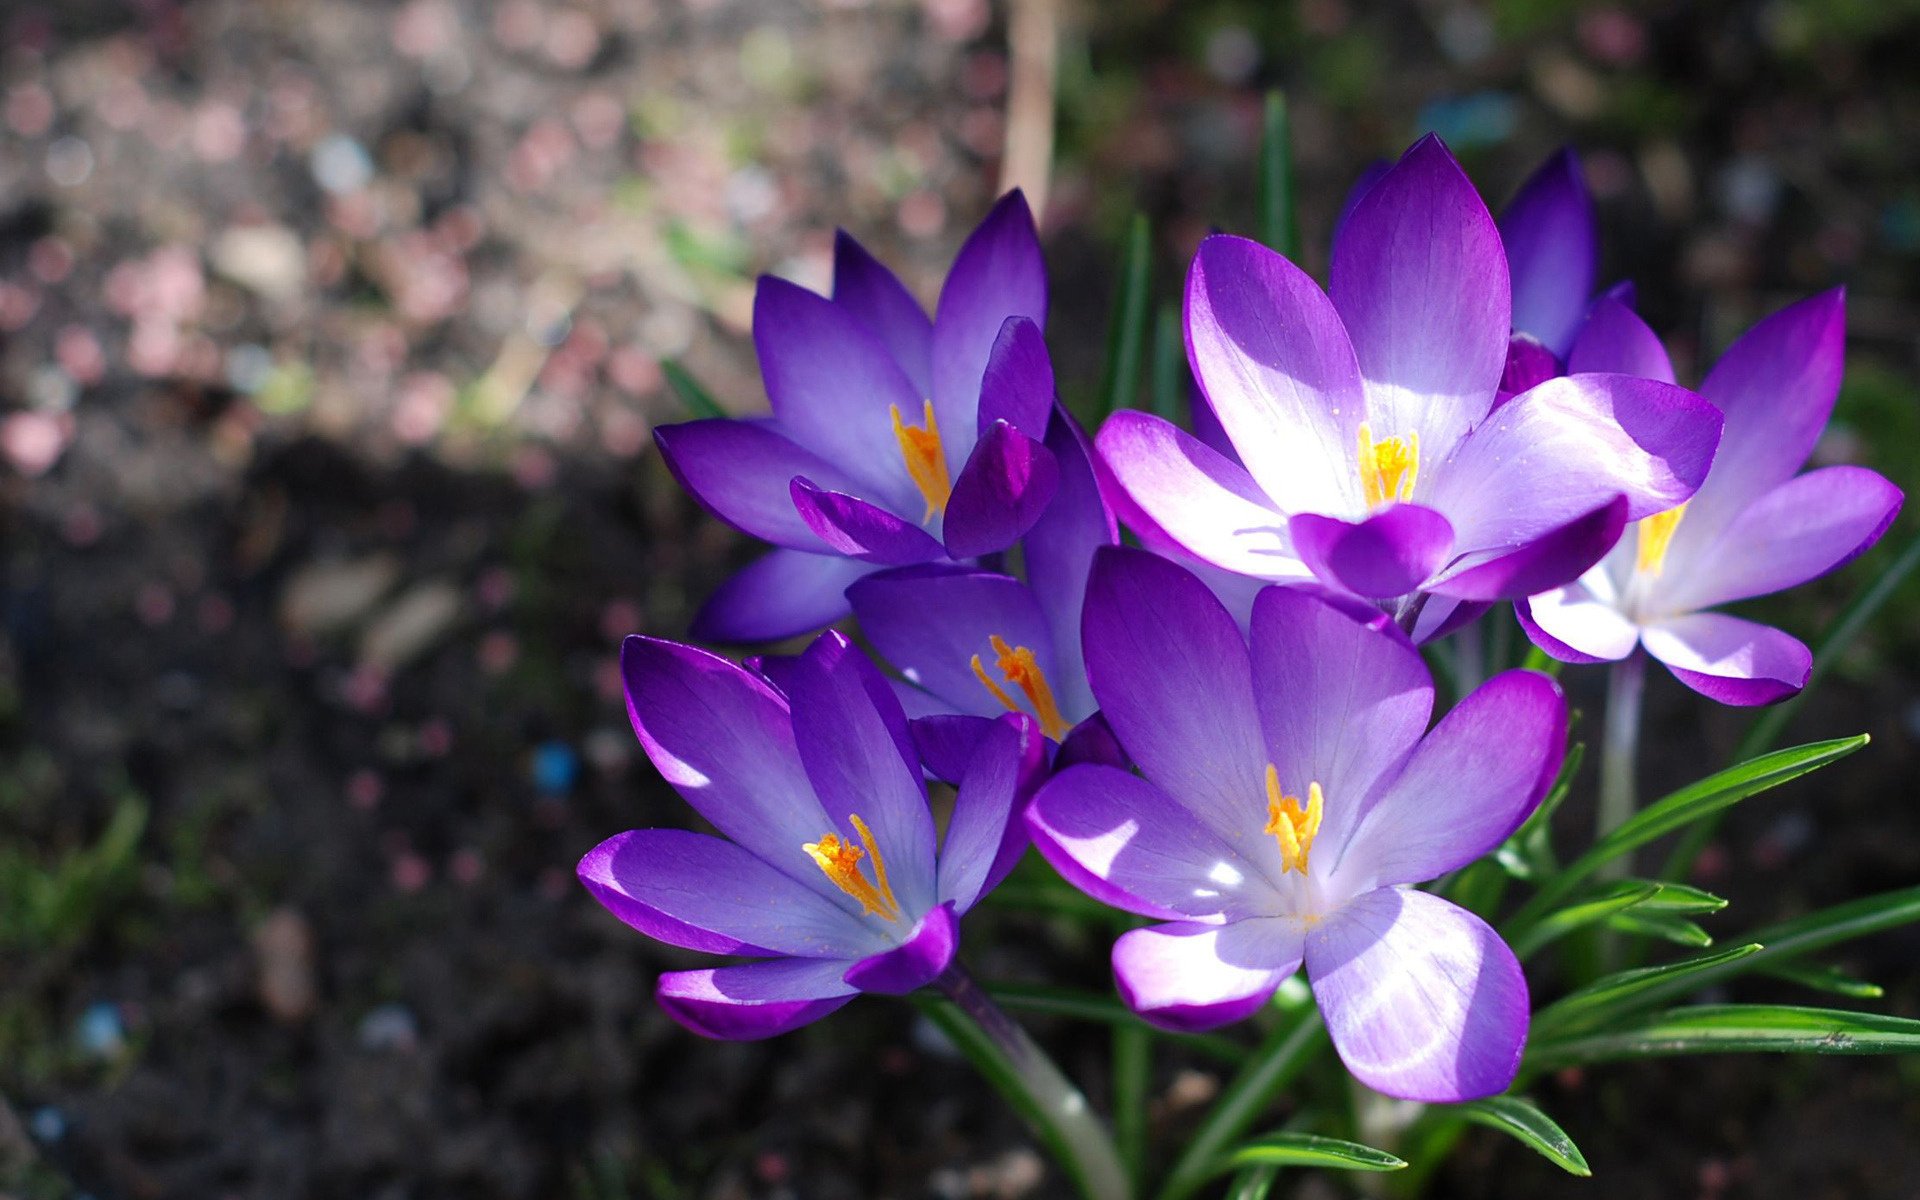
x=1375 y=458
x=1754 y=527
x=1552 y=240
x=1288 y=797
x=972 y=643
x=879 y=451
x=827 y=869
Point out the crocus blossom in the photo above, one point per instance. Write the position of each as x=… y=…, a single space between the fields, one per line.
x=1288 y=798
x=1756 y=526
x=1375 y=458
x=827 y=869
x=879 y=451
x=1551 y=239
x=972 y=643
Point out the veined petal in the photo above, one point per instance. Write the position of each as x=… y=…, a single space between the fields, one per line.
x=779 y=595
x=1059 y=551
x=1423 y=1000
x=705 y=893
x=1574 y=624
x=1568 y=447
x=859 y=529
x=1005 y=486
x=1209 y=506
x=1552 y=243
x=929 y=622
x=985 y=836
x=1420 y=280
x=1341 y=702
x=998 y=273
x=1126 y=843
x=946 y=741
x=1278 y=372
x=1018 y=384
x=1188 y=977
x=1469 y=783
x=754 y=1000
x=1800 y=530
x=1730 y=660
x=875 y=296
x=1387 y=554
x=914 y=962
x=740 y=471
x=1170 y=671
x=1616 y=341
x=1549 y=560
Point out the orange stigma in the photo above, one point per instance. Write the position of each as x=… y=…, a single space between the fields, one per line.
x=926 y=459
x=1388 y=469
x=1292 y=824
x=1656 y=534
x=1021 y=669
x=840 y=859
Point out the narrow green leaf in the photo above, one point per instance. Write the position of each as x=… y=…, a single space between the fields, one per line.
x=1310 y=1150
x=1614 y=995
x=1127 y=329
x=1667 y=927
x=1102 y=1008
x=1734 y=1028
x=1824 y=979
x=1278 y=228
x=1254 y=1183
x=1524 y=1121
x=1614 y=898
x=698 y=402
x=1679 y=898
x=1169 y=364
x=1288 y=1047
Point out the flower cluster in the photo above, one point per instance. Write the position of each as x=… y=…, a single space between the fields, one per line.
x=1224 y=728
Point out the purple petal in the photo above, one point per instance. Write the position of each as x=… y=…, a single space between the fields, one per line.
x=1469 y=784
x=754 y=1000
x=1126 y=843
x=929 y=622
x=998 y=274
x=872 y=293
x=740 y=471
x=704 y=893
x=1570 y=446
x=913 y=963
x=861 y=759
x=1001 y=492
x=1616 y=341
x=1091 y=741
x=1423 y=1000
x=1387 y=554
x=1271 y=355
x=1574 y=625
x=1018 y=385
x=1341 y=701
x=724 y=739
x=1529 y=364
x=1730 y=660
x=1059 y=550
x=1421 y=282
x=946 y=742
x=779 y=595
x=1801 y=530
x=1207 y=505
x=1549 y=560
x=1552 y=242
x=1443 y=615
x=1192 y=977
x=1172 y=677
x=858 y=529
x=985 y=835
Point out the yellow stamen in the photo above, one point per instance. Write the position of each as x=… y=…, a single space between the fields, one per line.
x=840 y=860
x=1019 y=667
x=1293 y=825
x=1388 y=468
x=926 y=459
x=1656 y=534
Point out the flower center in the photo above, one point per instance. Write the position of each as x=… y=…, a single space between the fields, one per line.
x=1388 y=468
x=925 y=458
x=1656 y=534
x=1291 y=823
x=839 y=860
x=1020 y=668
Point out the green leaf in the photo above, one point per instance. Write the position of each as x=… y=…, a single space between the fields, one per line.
x=1679 y=898
x=1127 y=329
x=1310 y=1150
x=1524 y=1121
x=698 y=402
x=1614 y=898
x=1614 y=995
x=1169 y=364
x=1289 y=1047
x=1254 y=1183
x=1824 y=979
x=1734 y=1028
x=1278 y=228
x=1674 y=811
x=1665 y=926
x=1102 y=1008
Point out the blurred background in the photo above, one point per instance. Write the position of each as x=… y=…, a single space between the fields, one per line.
x=331 y=338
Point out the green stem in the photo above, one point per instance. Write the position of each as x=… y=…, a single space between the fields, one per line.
x=1619 y=755
x=1029 y=1081
x=1286 y=1050
x=1132 y=1079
